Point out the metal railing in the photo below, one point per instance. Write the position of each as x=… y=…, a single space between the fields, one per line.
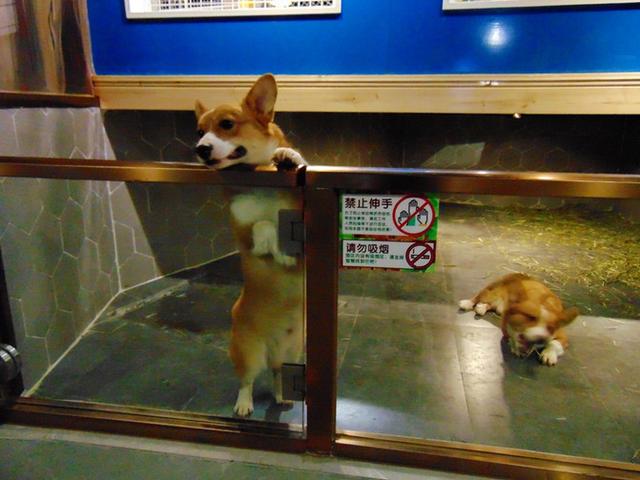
x=321 y=186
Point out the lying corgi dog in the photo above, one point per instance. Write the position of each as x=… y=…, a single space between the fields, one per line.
x=267 y=327
x=533 y=317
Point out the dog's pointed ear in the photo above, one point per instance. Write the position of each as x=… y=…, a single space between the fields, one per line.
x=568 y=316
x=200 y=109
x=261 y=99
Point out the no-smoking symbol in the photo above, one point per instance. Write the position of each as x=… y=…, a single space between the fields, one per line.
x=420 y=255
x=413 y=215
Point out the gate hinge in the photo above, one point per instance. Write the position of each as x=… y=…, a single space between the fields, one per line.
x=10 y=366
x=291 y=232
x=294 y=381
x=10 y=363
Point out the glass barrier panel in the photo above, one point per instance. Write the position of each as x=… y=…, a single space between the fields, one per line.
x=556 y=371
x=122 y=293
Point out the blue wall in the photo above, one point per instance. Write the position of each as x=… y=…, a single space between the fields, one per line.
x=371 y=37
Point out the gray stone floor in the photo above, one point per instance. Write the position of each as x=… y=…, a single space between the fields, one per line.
x=37 y=454
x=164 y=345
x=409 y=362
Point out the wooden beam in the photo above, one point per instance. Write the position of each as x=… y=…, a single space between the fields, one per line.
x=597 y=93
x=13 y=99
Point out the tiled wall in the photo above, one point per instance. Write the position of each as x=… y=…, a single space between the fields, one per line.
x=70 y=246
x=487 y=142
x=152 y=136
x=564 y=143
x=56 y=236
x=164 y=228
x=484 y=142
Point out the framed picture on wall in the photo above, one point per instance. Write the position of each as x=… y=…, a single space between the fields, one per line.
x=228 y=8
x=477 y=4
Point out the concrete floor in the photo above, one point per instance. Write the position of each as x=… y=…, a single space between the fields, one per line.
x=409 y=362
x=164 y=345
x=34 y=453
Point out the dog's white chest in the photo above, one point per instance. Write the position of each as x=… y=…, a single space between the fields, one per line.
x=252 y=207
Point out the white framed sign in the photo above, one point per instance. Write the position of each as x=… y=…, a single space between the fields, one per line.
x=477 y=4
x=390 y=232
x=228 y=8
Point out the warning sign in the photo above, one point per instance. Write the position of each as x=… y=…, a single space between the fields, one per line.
x=389 y=254
x=389 y=231
x=413 y=215
x=421 y=255
x=388 y=215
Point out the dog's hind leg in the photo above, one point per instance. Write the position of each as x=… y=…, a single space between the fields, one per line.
x=483 y=302
x=480 y=307
x=248 y=359
x=288 y=350
x=277 y=387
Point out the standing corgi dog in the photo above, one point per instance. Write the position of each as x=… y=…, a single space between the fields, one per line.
x=267 y=328
x=532 y=315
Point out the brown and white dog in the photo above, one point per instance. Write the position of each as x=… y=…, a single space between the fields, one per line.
x=267 y=328
x=532 y=315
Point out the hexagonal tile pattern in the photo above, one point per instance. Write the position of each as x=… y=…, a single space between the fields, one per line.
x=56 y=236
x=73 y=230
x=125 y=243
x=16 y=260
x=157 y=128
x=18 y=318
x=22 y=202
x=66 y=282
x=46 y=243
x=89 y=264
x=62 y=143
x=198 y=250
x=30 y=123
x=55 y=194
x=39 y=304
x=163 y=228
x=203 y=221
x=59 y=233
x=79 y=190
x=147 y=135
x=137 y=269
x=93 y=215
x=106 y=250
x=61 y=333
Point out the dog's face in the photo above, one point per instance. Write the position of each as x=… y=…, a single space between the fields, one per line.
x=529 y=324
x=241 y=135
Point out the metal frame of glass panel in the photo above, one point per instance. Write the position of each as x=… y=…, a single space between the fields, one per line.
x=321 y=186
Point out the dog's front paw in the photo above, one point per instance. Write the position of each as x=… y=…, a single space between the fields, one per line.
x=265 y=238
x=284 y=260
x=466 y=305
x=549 y=356
x=481 y=308
x=265 y=242
x=244 y=403
x=243 y=408
x=288 y=159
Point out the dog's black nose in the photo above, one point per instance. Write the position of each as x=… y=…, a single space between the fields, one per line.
x=204 y=152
